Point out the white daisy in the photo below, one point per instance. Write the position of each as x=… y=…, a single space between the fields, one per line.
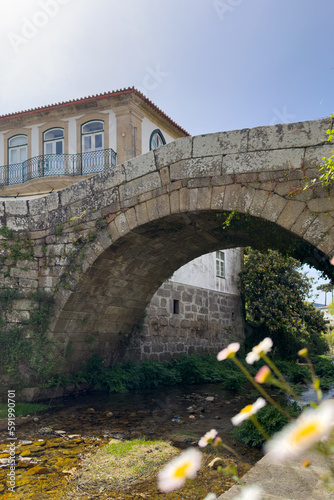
x=248 y=411
x=229 y=351
x=175 y=473
x=310 y=427
x=263 y=347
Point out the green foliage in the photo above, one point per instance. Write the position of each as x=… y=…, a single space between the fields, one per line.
x=128 y=375
x=326 y=169
x=101 y=223
x=22 y=409
x=28 y=345
x=274 y=293
x=6 y=233
x=59 y=228
x=270 y=419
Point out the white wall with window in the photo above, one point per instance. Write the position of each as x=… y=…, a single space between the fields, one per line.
x=147 y=128
x=203 y=271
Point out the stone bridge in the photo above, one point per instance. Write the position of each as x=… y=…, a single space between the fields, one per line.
x=103 y=246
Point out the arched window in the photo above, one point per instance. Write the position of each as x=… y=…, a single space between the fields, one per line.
x=17 y=149
x=156 y=139
x=53 y=141
x=92 y=136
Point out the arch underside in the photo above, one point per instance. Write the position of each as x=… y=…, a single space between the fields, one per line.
x=111 y=296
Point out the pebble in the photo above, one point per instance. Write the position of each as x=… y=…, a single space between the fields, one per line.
x=216 y=462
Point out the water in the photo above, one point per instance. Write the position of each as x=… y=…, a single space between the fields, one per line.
x=51 y=449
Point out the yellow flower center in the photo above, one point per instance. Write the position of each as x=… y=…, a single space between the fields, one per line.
x=247 y=409
x=307 y=431
x=181 y=470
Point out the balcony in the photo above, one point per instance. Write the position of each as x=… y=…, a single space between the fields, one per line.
x=56 y=165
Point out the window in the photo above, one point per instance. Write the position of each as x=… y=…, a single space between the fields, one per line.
x=17 y=156
x=220 y=264
x=17 y=149
x=176 y=306
x=92 y=146
x=156 y=139
x=54 y=141
x=53 y=144
x=92 y=134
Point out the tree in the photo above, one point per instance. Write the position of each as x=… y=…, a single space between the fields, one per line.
x=326 y=287
x=274 y=294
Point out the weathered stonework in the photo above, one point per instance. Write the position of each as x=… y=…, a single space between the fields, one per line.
x=206 y=321
x=104 y=246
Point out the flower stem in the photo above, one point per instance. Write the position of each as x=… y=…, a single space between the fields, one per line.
x=284 y=385
x=260 y=389
x=259 y=427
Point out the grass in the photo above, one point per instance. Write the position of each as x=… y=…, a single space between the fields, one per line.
x=22 y=409
x=120 y=464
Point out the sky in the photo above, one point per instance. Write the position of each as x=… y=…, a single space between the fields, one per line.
x=211 y=65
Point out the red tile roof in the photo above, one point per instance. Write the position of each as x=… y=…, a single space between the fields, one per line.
x=129 y=90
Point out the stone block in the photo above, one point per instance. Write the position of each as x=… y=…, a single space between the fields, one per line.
x=204 y=198
x=184 y=200
x=17 y=316
x=139 y=166
x=162 y=203
x=138 y=186
x=193 y=194
x=173 y=152
x=273 y=208
x=142 y=213
x=164 y=175
x=220 y=143
x=152 y=209
x=197 y=167
x=37 y=206
x=16 y=207
x=259 y=161
x=245 y=199
x=16 y=272
x=325 y=204
x=318 y=229
x=113 y=231
x=217 y=198
x=290 y=214
x=326 y=245
x=111 y=178
x=288 y=135
x=231 y=197
x=122 y=224
x=52 y=201
x=258 y=203
x=303 y=223
x=174 y=201
x=76 y=192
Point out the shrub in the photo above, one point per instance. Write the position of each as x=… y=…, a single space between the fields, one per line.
x=270 y=419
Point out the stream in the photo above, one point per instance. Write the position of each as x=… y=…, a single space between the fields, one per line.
x=52 y=446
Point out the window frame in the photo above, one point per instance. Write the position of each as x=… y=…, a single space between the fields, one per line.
x=83 y=134
x=220 y=264
x=48 y=141
x=11 y=148
x=158 y=132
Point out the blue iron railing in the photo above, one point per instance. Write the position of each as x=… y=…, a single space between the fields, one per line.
x=57 y=165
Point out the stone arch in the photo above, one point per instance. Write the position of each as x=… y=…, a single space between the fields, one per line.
x=164 y=208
